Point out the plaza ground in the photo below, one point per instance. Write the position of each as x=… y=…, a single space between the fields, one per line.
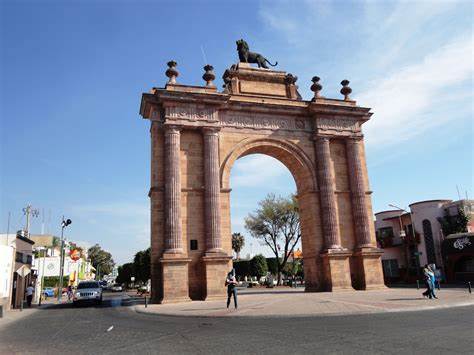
x=294 y=302
x=117 y=328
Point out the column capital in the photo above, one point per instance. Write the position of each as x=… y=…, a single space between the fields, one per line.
x=355 y=138
x=172 y=128
x=211 y=130
x=322 y=138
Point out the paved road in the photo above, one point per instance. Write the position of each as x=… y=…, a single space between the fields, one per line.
x=64 y=329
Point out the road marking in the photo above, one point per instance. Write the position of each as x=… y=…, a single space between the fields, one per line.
x=110 y=328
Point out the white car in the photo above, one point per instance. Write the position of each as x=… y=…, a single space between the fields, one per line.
x=116 y=288
x=88 y=291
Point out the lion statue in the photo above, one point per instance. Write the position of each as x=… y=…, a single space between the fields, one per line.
x=246 y=56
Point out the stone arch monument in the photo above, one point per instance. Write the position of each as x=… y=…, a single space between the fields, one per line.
x=197 y=133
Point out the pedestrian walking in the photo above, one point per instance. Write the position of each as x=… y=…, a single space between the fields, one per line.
x=429 y=279
x=231 y=283
x=432 y=280
x=69 y=293
x=29 y=294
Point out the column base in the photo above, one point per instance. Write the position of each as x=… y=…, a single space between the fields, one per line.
x=336 y=268
x=216 y=267
x=175 y=281
x=368 y=269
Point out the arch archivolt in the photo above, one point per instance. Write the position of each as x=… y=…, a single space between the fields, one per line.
x=288 y=153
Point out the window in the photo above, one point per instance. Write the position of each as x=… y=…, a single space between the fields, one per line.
x=19 y=257
x=386 y=232
x=194 y=244
x=429 y=243
x=29 y=259
x=390 y=268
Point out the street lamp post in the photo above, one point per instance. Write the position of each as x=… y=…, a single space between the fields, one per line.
x=64 y=224
x=42 y=274
x=413 y=235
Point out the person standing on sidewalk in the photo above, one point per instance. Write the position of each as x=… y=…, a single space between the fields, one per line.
x=231 y=283
x=29 y=294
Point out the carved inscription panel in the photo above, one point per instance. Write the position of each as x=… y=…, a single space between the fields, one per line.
x=262 y=122
x=337 y=125
x=191 y=113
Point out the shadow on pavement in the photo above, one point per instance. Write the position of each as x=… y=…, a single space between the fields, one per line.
x=275 y=292
x=406 y=299
x=107 y=303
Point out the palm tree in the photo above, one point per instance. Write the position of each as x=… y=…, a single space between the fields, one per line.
x=238 y=243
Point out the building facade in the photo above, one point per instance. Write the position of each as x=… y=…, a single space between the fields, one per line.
x=407 y=249
x=7 y=268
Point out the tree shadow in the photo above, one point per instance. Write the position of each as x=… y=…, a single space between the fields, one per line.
x=407 y=299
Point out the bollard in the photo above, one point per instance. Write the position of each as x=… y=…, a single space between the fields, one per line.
x=417 y=284
x=469 y=286
x=146 y=303
x=21 y=305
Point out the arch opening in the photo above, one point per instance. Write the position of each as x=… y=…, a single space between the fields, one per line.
x=293 y=168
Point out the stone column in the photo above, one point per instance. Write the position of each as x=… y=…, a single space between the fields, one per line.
x=173 y=242
x=212 y=190
x=358 y=192
x=327 y=192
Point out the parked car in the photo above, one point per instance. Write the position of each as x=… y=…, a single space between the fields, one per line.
x=48 y=292
x=116 y=288
x=88 y=291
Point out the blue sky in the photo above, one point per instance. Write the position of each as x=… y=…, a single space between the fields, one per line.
x=72 y=73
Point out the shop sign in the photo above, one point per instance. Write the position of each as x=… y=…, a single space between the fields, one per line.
x=461 y=243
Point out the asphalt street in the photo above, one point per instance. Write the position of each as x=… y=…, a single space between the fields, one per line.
x=115 y=328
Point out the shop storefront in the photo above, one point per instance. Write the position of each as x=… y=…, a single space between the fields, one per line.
x=458 y=254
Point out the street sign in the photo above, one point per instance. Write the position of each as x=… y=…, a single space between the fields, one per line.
x=23 y=271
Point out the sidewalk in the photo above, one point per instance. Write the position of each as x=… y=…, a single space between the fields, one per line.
x=13 y=315
x=297 y=303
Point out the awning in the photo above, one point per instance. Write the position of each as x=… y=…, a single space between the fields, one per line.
x=458 y=244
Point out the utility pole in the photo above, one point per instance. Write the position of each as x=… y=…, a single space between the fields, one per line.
x=64 y=224
x=28 y=210
x=42 y=273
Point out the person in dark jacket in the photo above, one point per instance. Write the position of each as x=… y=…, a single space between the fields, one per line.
x=231 y=284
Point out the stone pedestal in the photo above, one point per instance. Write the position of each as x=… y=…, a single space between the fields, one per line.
x=216 y=267
x=174 y=270
x=368 y=269
x=337 y=269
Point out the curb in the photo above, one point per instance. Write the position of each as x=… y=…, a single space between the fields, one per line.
x=140 y=309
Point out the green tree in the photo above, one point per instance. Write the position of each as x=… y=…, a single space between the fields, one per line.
x=101 y=260
x=293 y=268
x=142 y=265
x=258 y=266
x=125 y=272
x=454 y=224
x=238 y=243
x=276 y=223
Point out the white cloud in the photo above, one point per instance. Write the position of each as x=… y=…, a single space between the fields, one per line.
x=256 y=170
x=410 y=61
x=403 y=101
x=113 y=209
x=120 y=227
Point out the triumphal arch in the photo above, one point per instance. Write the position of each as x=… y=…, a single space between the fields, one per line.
x=198 y=132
